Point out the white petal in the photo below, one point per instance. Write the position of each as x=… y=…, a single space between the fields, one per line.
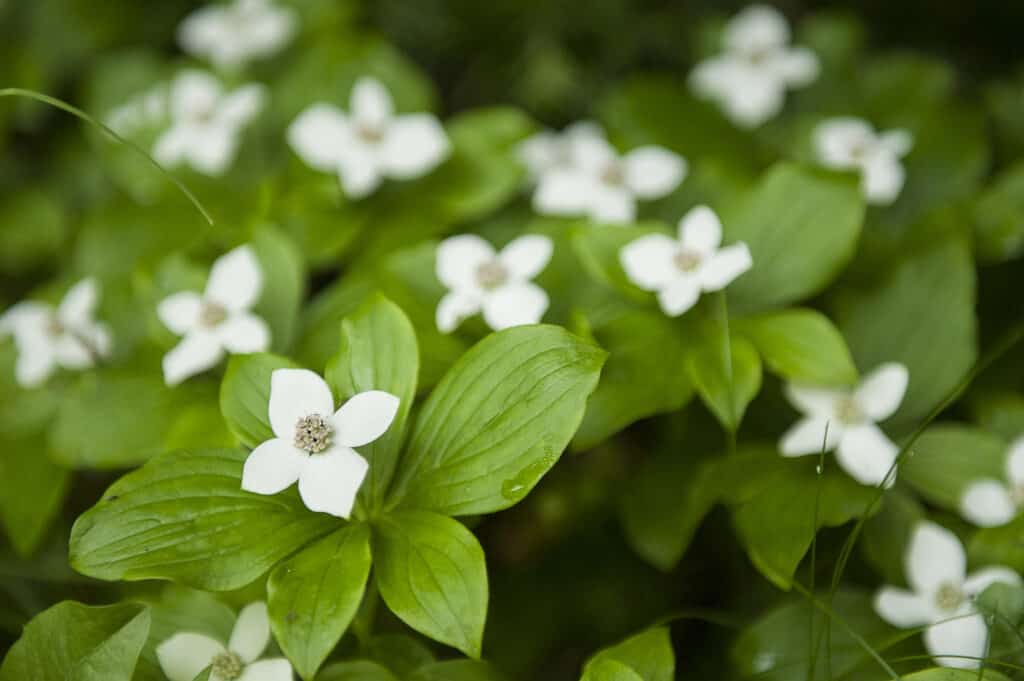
x=72 y=353
x=454 y=307
x=611 y=203
x=251 y=634
x=458 y=259
x=193 y=93
x=713 y=77
x=185 y=654
x=679 y=296
x=79 y=303
x=179 y=312
x=755 y=29
x=1015 y=462
x=514 y=304
x=838 y=141
x=935 y=556
x=273 y=467
x=359 y=170
x=964 y=637
x=364 y=418
x=413 y=146
x=35 y=364
x=883 y=179
x=197 y=352
x=649 y=262
x=243 y=332
x=591 y=154
x=987 y=503
x=808 y=436
x=880 y=393
x=320 y=135
x=897 y=143
x=295 y=393
x=236 y=279
x=902 y=608
x=202 y=29
x=700 y=230
x=212 y=149
x=979 y=580
x=173 y=145
x=813 y=400
x=724 y=266
x=796 y=67
x=867 y=454
x=27 y=322
x=526 y=256
x=273 y=669
x=370 y=103
x=652 y=172
x=239 y=106
x=330 y=481
x=753 y=98
x=563 y=192
x=540 y=152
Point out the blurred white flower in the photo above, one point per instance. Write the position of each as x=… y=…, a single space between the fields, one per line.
x=548 y=150
x=942 y=596
x=370 y=142
x=314 y=443
x=497 y=284
x=67 y=336
x=849 y=418
x=680 y=270
x=852 y=144
x=750 y=78
x=219 y=320
x=602 y=184
x=232 y=34
x=989 y=502
x=206 y=122
x=185 y=654
x=146 y=110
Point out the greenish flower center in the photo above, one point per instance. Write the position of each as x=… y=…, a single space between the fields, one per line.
x=54 y=327
x=949 y=597
x=313 y=433
x=613 y=174
x=227 y=666
x=211 y=314
x=491 y=275
x=369 y=134
x=848 y=412
x=687 y=260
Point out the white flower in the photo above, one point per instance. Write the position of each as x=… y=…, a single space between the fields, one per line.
x=206 y=122
x=547 y=150
x=602 y=184
x=988 y=502
x=370 y=142
x=219 y=320
x=314 y=443
x=850 y=418
x=66 y=336
x=498 y=284
x=229 y=35
x=184 y=655
x=142 y=111
x=852 y=144
x=942 y=596
x=749 y=80
x=680 y=270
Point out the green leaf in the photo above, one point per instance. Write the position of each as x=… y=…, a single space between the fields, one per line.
x=648 y=654
x=399 y=653
x=498 y=421
x=245 y=396
x=357 y=670
x=947 y=458
x=321 y=332
x=313 y=596
x=800 y=345
x=32 y=229
x=801 y=228
x=75 y=641
x=887 y=534
x=609 y=670
x=998 y=545
x=183 y=516
x=32 y=491
x=727 y=376
x=947 y=674
x=378 y=352
x=598 y=248
x=284 y=282
x=431 y=574
x=457 y=670
x=998 y=217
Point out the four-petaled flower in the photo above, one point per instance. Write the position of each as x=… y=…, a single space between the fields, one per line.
x=849 y=418
x=314 y=443
x=185 y=654
x=496 y=284
x=231 y=35
x=66 y=336
x=680 y=270
x=749 y=80
x=370 y=142
x=852 y=144
x=942 y=596
x=206 y=122
x=989 y=502
x=548 y=150
x=219 y=320
x=604 y=185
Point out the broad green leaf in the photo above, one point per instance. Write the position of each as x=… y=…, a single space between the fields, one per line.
x=887 y=534
x=431 y=574
x=32 y=229
x=378 y=352
x=245 y=396
x=399 y=653
x=498 y=421
x=800 y=345
x=998 y=217
x=320 y=331
x=947 y=674
x=79 y=642
x=598 y=248
x=313 y=596
x=1000 y=413
x=649 y=654
x=727 y=376
x=998 y=545
x=801 y=227
x=947 y=458
x=609 y=670
x=32 y=490
x=357 y=670
x=457 y=670
x=183 y=516
x=284 y=281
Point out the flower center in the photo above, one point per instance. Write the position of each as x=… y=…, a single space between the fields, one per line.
x=687 y=260
x=848 y=412
x=227 y=666
x=313 y=433
x=54 y=327
x=613 y=174
x=949 y=597
x=211 y=314
x=369 y=133
x=491 y=275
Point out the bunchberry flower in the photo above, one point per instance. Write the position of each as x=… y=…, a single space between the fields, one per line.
x=233 y=34
x=547 y=151
x=989 y=502
x=852 y=144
